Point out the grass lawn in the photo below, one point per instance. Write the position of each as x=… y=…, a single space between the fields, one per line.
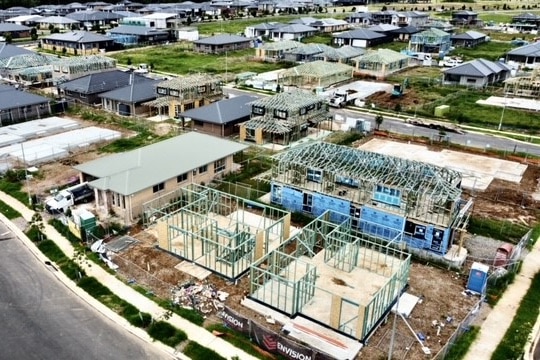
x=176 y=59
x=492 y=50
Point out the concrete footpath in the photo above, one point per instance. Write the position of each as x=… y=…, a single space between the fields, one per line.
x=124 y=291
x=499 y=319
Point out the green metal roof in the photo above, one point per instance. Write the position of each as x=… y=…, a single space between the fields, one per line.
x=133 y=171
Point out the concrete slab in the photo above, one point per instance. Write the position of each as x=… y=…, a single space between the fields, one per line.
x=41 y=127
x=516 y=103
x=365 y=88
x=477 y=171
x=57 y=146
x=322 y=338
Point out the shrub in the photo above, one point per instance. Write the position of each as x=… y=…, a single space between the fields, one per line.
x=166 y=333
x=196 y=351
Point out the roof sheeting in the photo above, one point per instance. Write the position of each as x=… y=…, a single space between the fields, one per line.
x=133 y=171
x=11 y=98
x=98 y=82
x=532 y=50
x=359 y=34
x=469 y=35
x=141 y=90
x=477 y=68
x=78 y=37
x=223 y=111
x=222 y=39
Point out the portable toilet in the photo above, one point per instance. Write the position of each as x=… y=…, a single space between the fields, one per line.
x=478 y=278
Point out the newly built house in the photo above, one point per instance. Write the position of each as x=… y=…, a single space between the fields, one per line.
x=123 y=182
x=394 y=199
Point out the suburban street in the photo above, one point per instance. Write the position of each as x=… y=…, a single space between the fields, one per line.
x=470 y=138
x=43 y=319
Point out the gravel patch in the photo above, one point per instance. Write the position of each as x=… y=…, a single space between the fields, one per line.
x=483 y=249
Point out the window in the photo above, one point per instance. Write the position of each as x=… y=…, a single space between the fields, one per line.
x=202 y=89
x=314 y=175
x=158 y=187
x=319 y=106
x=203 y=169
x=311 y=107
x=257 y=110
x=161 y=91
x=174 y=93
x=182 y=178
x=189 y=106
x=303 y=111
x=219 y=165
x=280 y=114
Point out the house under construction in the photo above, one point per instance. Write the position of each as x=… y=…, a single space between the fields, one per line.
x=388 y=197
x=332 y=274
x=524 y=86
x=218 y=231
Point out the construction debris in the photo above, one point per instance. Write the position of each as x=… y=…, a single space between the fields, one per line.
x=202 y=297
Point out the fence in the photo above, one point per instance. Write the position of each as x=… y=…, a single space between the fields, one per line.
x=269 y=340
x=462 y=328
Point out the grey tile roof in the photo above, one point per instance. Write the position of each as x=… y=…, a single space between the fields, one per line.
x=7 y=27
x=295 y=29
x=142 y=89
x=11 y=98
x=477 y=68
x=57 y=20
x=78 y=37
x=98 y=82
x=409 y=29
x=469 y=35
x=359 y=34
x=133 y=171
x=267 y=26
x=93 y=16
x=136 y=30
x=532 y=50
x=8 y=50
x=222 y=39
x=223 y=111
x=383 y=28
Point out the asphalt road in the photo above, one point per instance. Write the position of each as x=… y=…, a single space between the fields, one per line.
x=42 y=319
x=472 y=139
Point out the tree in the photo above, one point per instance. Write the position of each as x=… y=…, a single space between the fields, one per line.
x=8 y=37
x=379 y=120
x=33 y=34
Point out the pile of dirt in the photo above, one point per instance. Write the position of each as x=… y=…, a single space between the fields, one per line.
x=385 y=100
